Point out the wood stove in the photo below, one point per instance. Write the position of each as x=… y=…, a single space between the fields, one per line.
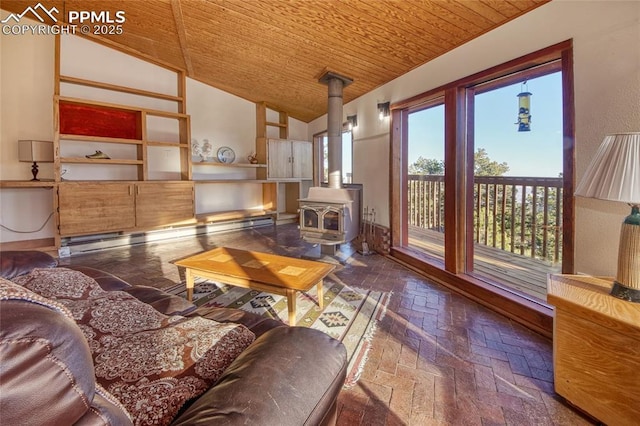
x=329 y=215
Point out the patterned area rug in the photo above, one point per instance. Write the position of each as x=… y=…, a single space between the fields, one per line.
x=350 y=314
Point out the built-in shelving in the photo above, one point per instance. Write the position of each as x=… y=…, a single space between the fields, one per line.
x=117 y=88
x=235 y=165
x=80 y=160
x=86 y=138
x=27 y=184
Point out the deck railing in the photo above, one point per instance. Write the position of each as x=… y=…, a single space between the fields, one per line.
x=522 y=215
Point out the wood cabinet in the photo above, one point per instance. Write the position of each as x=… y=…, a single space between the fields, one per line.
x=99 y=207
x=596 y=348
x=164 y=204
x=288 y=159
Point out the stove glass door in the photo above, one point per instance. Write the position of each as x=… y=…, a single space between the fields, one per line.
x=310 y=219
x=331 y=221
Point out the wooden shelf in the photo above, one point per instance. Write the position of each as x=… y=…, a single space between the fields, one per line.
x=80 y=160
x=232 y=214
x=168 y=144
x=114 y=87
x=236 y=165
x=272 y=124
x=108 y=105
x=232 y=181
x=100 y=139
x=27 y=184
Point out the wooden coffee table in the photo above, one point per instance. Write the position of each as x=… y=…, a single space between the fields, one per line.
x=258 y=271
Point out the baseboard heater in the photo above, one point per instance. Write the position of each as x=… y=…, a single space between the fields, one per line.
x=88 y=243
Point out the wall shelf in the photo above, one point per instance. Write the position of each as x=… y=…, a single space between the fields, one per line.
x=236 y=165
x=106 y=139
x=255 y=181
x=80 y=160
x=117 y=88
x=27 y=184
x=168 y=144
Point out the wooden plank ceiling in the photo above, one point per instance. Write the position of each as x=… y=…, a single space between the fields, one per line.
x=275 y=50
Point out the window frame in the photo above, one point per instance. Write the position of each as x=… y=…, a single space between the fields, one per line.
x=458 y=101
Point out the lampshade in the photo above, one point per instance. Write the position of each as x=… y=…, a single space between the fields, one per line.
x=35 y=151
x=614 y=172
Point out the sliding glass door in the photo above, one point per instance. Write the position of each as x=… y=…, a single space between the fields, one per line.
x=517 y=183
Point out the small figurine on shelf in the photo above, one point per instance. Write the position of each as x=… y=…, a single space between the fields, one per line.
x=99 y=155
x=252 y=158
x=196 y=151
x=206 y=149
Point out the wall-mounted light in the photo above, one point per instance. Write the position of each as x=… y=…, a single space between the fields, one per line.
x=353 y=121
x=384 y=110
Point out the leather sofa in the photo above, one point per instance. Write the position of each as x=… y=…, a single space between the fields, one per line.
x=287 y=376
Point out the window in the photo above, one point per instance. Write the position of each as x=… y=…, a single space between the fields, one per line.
x=321 y=153
x=525 y=213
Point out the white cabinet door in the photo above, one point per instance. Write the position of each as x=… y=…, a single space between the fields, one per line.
x=302 y=154
x=279 y=159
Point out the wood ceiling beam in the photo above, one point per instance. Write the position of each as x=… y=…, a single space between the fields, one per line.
x=176 y=8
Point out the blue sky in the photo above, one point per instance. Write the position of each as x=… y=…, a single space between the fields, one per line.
x=535 y=153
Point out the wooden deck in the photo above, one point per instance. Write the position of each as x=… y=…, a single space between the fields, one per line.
x=513 y=271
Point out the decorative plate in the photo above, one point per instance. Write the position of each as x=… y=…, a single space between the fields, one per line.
x=226 y=155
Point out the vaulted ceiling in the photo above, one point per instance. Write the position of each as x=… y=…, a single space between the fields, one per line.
x=275 y=50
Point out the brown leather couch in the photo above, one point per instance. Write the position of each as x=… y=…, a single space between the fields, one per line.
x=287 y=376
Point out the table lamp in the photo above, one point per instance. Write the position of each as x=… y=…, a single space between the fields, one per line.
x=614 y=174
x=35 y=151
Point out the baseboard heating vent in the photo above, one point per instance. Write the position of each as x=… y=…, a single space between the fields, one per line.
x=88 y=243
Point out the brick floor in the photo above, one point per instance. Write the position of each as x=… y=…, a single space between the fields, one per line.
x=437 y=357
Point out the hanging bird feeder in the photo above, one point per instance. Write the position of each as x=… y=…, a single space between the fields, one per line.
x=524 y=109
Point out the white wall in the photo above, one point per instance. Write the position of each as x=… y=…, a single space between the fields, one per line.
x=606 y=37
x=26 y=112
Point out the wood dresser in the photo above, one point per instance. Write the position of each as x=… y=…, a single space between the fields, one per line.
x=596 y=348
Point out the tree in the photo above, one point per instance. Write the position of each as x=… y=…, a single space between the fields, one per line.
x=427 y=166
x=484 y=166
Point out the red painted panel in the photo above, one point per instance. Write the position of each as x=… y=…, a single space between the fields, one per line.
x=91 y=120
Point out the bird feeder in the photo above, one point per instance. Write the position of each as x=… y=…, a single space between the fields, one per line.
x=524 y=109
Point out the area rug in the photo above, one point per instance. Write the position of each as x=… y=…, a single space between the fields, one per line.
x=350 y=314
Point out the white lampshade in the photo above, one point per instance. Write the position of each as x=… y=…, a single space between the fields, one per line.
x=614 y=172
x=38 y=151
